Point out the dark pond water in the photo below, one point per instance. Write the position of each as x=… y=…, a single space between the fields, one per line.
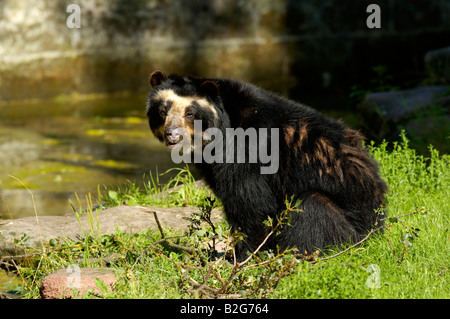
x=61 y=148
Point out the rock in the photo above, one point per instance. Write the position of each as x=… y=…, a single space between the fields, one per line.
x=433 y=130
x=74 y=282
x=383 y=111
x=438 y=65
x=31 y=232
x=397 y=105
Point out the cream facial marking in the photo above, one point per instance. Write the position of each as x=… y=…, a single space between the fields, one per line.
x=180 y=103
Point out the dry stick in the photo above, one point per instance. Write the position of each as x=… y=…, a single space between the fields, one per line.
x=163 y=239
x=203 y=286
x=19 y=256
x=264 y=262
x=193 y=282
x=400 y=216
x=218 y=276
x=264 y=281
x=257 y=249
x=145 y=250
x=348 y=248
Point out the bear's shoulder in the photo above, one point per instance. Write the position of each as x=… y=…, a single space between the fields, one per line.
x=251 y=106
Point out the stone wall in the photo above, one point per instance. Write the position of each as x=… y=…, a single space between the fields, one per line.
x=300 y=48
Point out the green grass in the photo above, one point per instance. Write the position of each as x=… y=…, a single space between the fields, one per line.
x=415 y=182
x=409 y=260
x=152 y=193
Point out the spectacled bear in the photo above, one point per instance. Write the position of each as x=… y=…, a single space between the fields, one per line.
x=322 y=163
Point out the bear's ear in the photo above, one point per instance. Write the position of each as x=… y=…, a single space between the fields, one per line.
x=210 y=88
x=156 y=78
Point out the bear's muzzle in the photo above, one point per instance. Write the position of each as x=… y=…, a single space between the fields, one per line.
x=173 y=135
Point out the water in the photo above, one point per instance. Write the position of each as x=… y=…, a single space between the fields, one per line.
x=61 y=148
x=10 y=283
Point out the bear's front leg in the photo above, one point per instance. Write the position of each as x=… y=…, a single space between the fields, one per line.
x=248 y=202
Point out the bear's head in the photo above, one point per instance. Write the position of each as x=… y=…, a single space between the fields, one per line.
x=176 y=102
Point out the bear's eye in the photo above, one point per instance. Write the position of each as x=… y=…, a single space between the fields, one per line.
x=189 y=115
x=162 y=113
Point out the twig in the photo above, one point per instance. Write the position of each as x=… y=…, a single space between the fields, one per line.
x=348 y=248
x=19 y=256
x=257 y=249
x=400 y=216
x=163 y=239
x=265 y=261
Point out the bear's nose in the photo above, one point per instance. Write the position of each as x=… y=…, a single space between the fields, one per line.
x=174 y=134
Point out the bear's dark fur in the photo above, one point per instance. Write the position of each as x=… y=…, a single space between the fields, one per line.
x=321 y=162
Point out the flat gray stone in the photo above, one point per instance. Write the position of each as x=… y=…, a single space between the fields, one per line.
x=130 y=219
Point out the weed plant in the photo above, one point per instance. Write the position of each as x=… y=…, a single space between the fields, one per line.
x=181 y=190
